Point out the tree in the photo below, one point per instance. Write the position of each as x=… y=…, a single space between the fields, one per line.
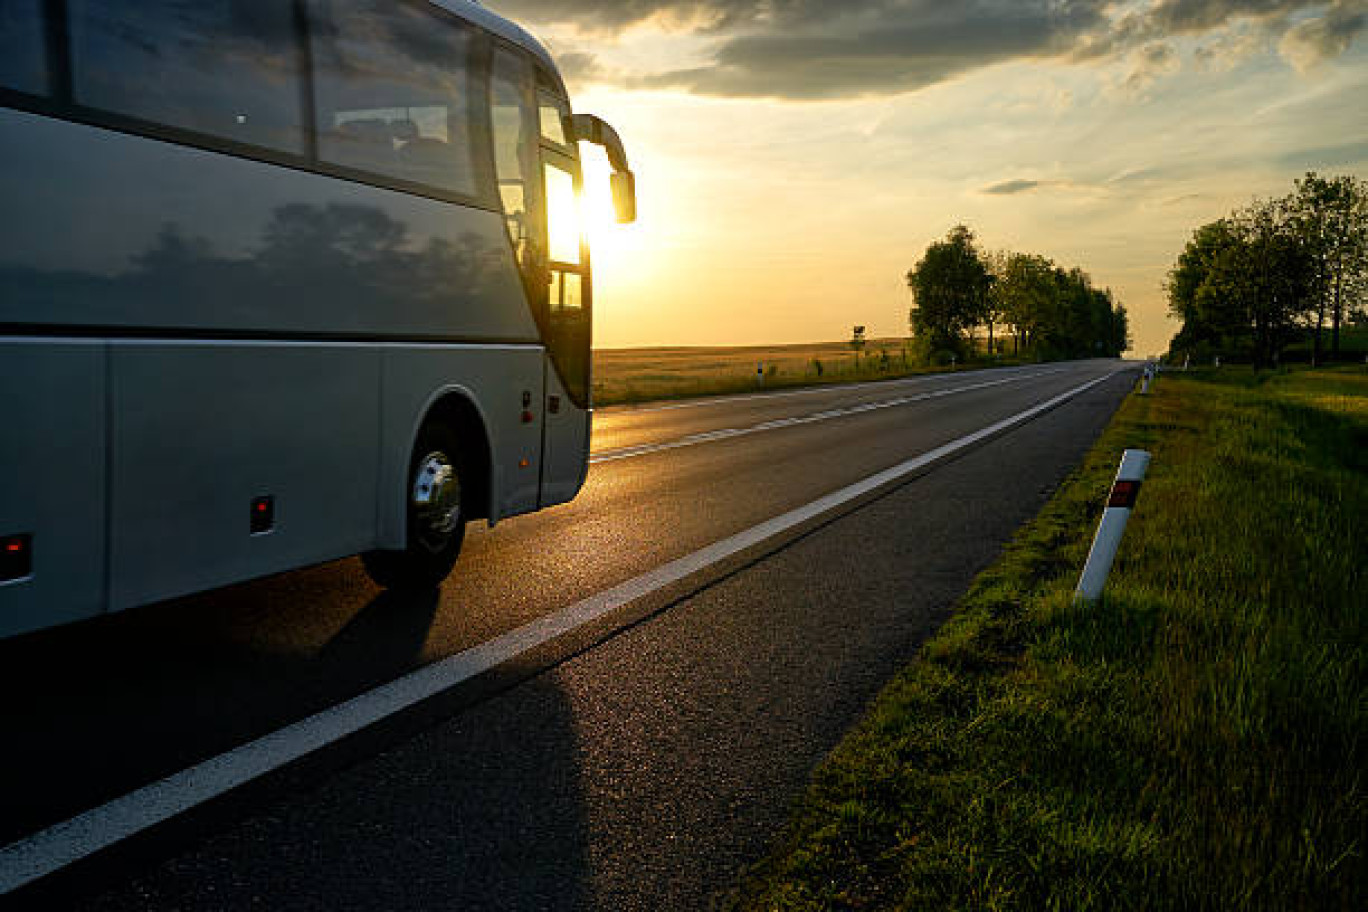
x=1331 y=215
x=951 y=285
x=1025 y=292
x=995 y=311
x=1261 y=280
x=1083 y=317
x=1120 y=338
x=1209 y=321
x=1052 y=312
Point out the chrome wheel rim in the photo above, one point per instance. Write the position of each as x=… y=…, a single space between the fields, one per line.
x=436 y=501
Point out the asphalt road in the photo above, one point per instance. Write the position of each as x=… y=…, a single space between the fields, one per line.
x=639 y=764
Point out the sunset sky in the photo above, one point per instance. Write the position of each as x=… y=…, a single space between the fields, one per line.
x=795 y=157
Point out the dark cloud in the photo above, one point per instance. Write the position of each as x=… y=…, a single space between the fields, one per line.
x=616 y=15
x=1008 y=188
x=888 y=48
x=1174 y=17
x=816 y=49
x=581 y=68
x=1314 y=41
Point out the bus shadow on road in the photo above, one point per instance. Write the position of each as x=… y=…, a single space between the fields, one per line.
x=458 y=800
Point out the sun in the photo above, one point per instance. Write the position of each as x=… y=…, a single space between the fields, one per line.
x=609 y=242
x=626 y=258
x=598 y=200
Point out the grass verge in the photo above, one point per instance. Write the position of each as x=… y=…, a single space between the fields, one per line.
x=1194 y=741
x=650 y=374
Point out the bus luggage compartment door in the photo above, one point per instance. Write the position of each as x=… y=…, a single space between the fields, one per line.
x=52 y=480
x=205 y=431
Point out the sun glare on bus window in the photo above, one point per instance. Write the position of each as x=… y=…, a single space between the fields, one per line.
x=566 y=221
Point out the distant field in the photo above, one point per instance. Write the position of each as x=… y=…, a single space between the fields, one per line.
x=1193 y=741
x=640 y=374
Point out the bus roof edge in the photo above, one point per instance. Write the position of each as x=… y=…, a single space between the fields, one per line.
x=498 y=25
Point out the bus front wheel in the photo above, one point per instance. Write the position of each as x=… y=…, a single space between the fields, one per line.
x=436 y=516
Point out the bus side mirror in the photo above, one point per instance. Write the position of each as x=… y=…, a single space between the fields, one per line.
x=591 y=129
x=624 y=196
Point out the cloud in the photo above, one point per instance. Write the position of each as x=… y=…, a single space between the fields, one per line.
x=1011 y=187
x=1348 y=155
x=581 y=67
x=1309 y=44
x=1185 y=17
x=613 y=15
x=815 y=49
x=1151 y=63
x=887 y=48
x=1229 y=49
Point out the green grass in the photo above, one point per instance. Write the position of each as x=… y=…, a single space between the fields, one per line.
x=1193 y=741
x=648 y=374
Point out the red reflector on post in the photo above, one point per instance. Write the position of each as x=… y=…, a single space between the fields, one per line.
x=1123 y=494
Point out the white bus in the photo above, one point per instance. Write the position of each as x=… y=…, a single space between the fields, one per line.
x=281 y=281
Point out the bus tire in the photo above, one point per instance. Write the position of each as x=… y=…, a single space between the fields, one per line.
x=436 y=510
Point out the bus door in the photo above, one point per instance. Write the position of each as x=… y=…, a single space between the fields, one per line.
x=568 y=324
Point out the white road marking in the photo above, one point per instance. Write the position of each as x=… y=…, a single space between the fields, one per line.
x=52 y=849
x=728 y=433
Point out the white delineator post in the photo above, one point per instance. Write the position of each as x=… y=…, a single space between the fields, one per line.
x=1113 y=525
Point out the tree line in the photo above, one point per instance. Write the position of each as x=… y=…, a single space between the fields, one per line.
x=1265 y=276
x=1048 y=312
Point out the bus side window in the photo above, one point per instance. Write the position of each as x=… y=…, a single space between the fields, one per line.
x=23 y=62
x=567 y=321
x=552 y=112
x=515 y=158
x=226 y=68
x=393 y=88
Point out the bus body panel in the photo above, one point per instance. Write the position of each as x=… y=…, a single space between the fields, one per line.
x=53 y=485
x=106 y=229
x=202 y=429
x=199 y=430
x=567 y=441
x=492 y=380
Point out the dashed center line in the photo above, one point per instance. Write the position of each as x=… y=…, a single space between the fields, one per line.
x=728 y=433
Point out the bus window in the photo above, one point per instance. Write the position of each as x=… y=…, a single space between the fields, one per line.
x=567 y=295
x=564 y=219
x=392 y=85
x=23 y=66
x=567 y=324
x=552 y=112
x=515 y=157
x=227 y=68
